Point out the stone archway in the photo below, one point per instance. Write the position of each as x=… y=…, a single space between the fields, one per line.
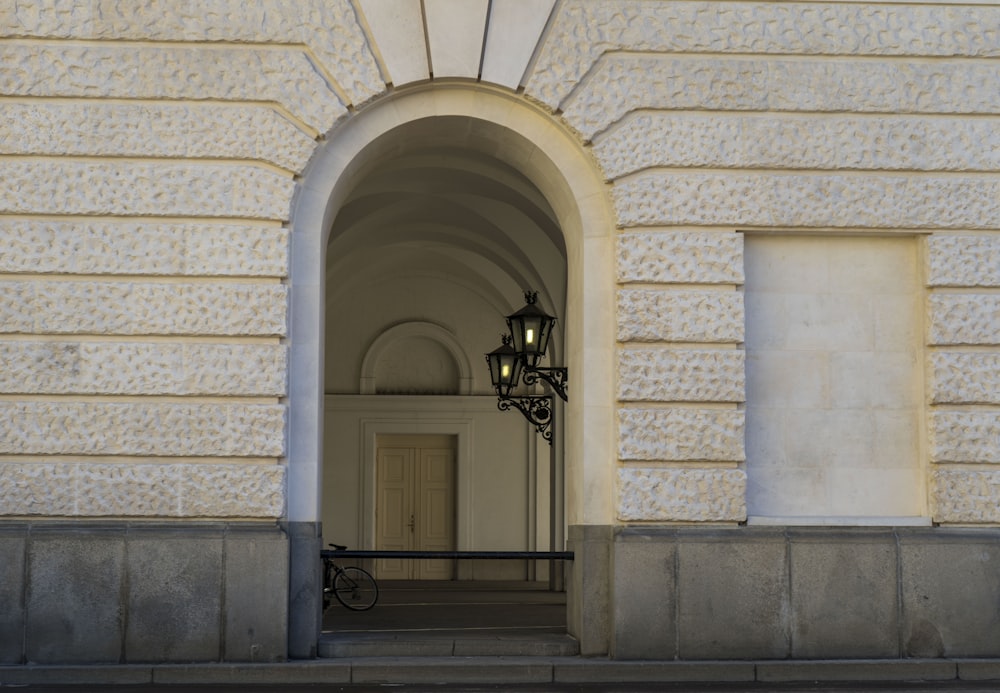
x=524 y=137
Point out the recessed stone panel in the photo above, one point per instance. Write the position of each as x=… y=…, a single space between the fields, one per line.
x=282 y=75
x=144 y=188
x=658 y=198
x=677 y=257
x=130 y=308
x=85 y=246
x=964 y=436
x=964 y=319
x=680 y=375
x=650 y=315
x=583 y=30
x=624 y=82
x=963 y=260
x=680 y=435
x=704 y=140
x=966 y=496
x=965 y=378
x=155 y=130
x=123 y=368
x=141 y=428
x=662 y=494
x=123 y=489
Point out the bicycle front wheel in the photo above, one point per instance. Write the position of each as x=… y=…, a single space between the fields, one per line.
x=355 y=588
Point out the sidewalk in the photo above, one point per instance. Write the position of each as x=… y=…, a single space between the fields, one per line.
x=513 y=671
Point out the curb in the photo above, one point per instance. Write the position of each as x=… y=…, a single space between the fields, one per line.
x=509 y=670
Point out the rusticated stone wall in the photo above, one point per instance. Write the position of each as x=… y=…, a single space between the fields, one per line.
x=714 y=118
x=149 y=156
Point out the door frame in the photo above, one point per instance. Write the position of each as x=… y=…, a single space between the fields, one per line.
x=460 y=429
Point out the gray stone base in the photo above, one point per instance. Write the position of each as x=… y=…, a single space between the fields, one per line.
x=804 y=593
x=120 y=592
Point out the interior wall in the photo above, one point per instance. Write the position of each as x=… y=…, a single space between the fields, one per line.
x=497 y=466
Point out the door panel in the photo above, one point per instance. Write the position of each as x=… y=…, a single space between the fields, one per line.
x=415 y=508
x=394 y=508
x=436 y=511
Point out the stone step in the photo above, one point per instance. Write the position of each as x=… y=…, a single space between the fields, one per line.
x=494 y=644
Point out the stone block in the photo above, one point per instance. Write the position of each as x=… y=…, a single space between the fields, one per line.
x=950 y=587
x=735 y=140
x=256 y=576
x=964 y=319
x=192 y=72
x=843 y=594
x=644 y=598
x=624 y=82
x=74 y=600
x=967 y=436
x=679 y=257
x=125 y=188
x=12 y=564
x=964 y=378
x=732 y=591
x=680 y=375
x=330 y=28
x=646 y=315
x=963 y=260
x=681 y=435
x=133 y=368
x=130 y=308
x=745 y=28
x=965 y=496
x=61 y=427
x=175 y=584
x=688 y=494
x=655 y=198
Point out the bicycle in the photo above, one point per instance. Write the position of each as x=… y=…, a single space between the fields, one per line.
x=353 y=587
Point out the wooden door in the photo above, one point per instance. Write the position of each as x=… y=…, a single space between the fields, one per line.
x=415 y=505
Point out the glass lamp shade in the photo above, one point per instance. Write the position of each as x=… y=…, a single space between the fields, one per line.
x=531 y=328
x=505 y=368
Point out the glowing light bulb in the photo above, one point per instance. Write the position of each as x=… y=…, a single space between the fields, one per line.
x=529 y=336
x=505 y=371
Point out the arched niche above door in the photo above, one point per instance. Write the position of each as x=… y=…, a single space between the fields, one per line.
x=447 y=367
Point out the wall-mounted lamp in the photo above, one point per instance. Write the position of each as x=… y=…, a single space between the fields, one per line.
x=517 y=358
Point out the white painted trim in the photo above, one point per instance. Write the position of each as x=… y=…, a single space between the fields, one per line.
x=558 y=165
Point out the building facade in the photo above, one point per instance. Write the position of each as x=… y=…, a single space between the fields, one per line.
x=252 y=254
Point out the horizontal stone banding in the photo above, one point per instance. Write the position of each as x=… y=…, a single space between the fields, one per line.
x=142 y=429
x=681 y=375
x=128 y=308
x=141 y=490
x=681 y=495
x=117 y=368
x=678 y=435
x=87 y=246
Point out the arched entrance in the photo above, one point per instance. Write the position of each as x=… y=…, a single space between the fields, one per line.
x=477 y=134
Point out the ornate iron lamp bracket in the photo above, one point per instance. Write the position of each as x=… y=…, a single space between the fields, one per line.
x=537 y=409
